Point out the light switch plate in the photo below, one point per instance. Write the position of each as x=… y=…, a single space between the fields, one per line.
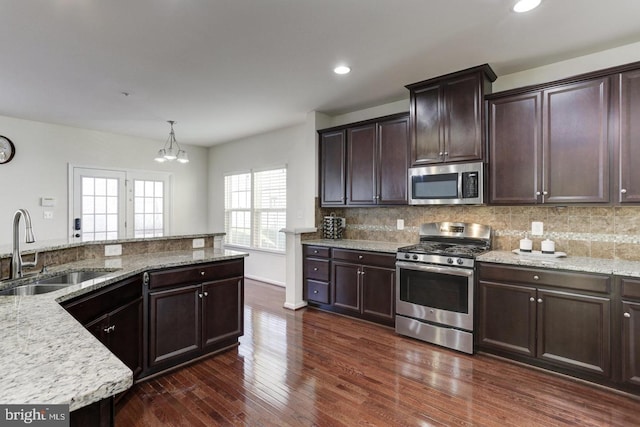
x=400 y=224
x=537 y=228
x=198 y=243
x=112 y=250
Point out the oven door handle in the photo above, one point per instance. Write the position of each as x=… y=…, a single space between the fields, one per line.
x=434 y=268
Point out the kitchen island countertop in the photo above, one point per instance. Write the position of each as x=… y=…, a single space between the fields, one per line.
x=48 y=357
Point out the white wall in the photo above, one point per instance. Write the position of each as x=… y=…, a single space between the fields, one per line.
x=571 y=67
x=40 y=168
x=292 y=147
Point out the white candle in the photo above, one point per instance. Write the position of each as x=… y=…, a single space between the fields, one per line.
x=548 y=246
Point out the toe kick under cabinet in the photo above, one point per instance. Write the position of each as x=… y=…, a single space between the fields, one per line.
x=192 y=311
x=351 y=282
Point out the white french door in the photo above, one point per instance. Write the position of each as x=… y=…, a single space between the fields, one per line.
x=114 y=204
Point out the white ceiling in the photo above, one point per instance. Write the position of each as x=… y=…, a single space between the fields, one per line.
x=226 y=69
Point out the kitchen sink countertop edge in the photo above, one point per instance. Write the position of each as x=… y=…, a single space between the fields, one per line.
x=49 y=357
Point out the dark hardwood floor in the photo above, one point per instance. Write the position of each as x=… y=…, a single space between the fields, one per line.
x=313 y=368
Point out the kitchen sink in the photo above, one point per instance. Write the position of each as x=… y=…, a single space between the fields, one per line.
x=34 y=289
x=54 y=283
x=71 y=278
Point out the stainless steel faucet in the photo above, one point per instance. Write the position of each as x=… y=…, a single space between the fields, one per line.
x=16 y=258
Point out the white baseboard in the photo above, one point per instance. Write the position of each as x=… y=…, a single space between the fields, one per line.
x=291 y=306
x=265 y=280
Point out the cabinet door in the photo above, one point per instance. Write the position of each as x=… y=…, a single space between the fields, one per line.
x=573 y=331
x=361 y=165
x=631 y=343
x=332 y=148
x=515 y=149
x=222 y=310
x=125 y=335
x=98 y=328
x=629 y=137
x=463 y=119
x=174 y=323
x=427 y=133
x=378 y=292
x=507 y=317
x=393 y=161
x=576 y=148
x=346 y=286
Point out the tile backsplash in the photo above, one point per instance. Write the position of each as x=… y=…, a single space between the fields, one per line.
x=600 y=232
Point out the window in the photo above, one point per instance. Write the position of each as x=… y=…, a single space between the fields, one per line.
x=114 y=204
x=255 y=209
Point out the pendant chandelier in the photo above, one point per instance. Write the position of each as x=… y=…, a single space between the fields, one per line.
x=169 y=152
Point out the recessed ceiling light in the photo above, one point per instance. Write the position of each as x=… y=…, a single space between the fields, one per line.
x=526 y=5
x=342 y=69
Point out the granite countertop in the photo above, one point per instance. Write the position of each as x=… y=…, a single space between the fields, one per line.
x=584 y=264
x=361 y=245
x=47 y=356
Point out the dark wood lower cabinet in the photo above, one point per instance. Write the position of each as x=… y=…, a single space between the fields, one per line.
x=346 y=286
x=631 y=343
x=223 y=316
x=378 y=293
x=543 y=318
x=97 y=414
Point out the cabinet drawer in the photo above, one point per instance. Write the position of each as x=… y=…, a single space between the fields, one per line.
x=316 y=269
x=317 y=291
x=87 y=308
x=317 y=251
x=630 y=288
x=536 y=276
x=368 y=258
x=195 y=274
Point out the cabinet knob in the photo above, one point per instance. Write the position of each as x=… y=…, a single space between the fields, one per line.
x=446 y=153
x=199 y=295
x=532 y=299
x=360 y=257
x=441 y=153
x=539 y=300
x=362 y=272
x=315 y=251
x=315 y=291
x=544 y=193
x=623 y=191
x=536 y=277
x=627 y=315
x=206 y=294
x=202 y=273
x=538 y=193
x=315 y=268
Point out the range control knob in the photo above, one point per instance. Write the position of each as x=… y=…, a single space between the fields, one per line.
x=459 y=261
x=415 y=257
x=450 y=260
x=407 y=256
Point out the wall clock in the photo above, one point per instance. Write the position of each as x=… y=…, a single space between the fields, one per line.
x=7 y=150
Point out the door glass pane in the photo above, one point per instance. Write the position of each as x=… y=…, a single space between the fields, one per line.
x=148 y=208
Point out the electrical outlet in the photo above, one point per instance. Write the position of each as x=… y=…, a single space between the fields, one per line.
x=112 y=250
x=198 y=243
x=48 y=214
x=537 y=228
x=400 y=224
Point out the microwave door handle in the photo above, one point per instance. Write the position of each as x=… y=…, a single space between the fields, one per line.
x=460 y=175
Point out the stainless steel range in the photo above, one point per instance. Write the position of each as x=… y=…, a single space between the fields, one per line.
x=435 y=281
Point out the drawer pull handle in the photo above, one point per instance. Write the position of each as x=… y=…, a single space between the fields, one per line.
x=627 y=315
x=536 y=277
x=539 y=300
x=532 y=299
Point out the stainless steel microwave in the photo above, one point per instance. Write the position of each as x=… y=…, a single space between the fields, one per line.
x=451 y=184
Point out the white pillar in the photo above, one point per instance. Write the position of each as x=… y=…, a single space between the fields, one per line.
x=294 y=299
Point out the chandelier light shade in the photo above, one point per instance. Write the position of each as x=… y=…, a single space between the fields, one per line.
x=172 y=150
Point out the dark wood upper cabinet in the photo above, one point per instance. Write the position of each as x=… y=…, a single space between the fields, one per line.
x=447 y=116
x=629 y=149
x=332 y=149
x=551 y=145
x=365 y=164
